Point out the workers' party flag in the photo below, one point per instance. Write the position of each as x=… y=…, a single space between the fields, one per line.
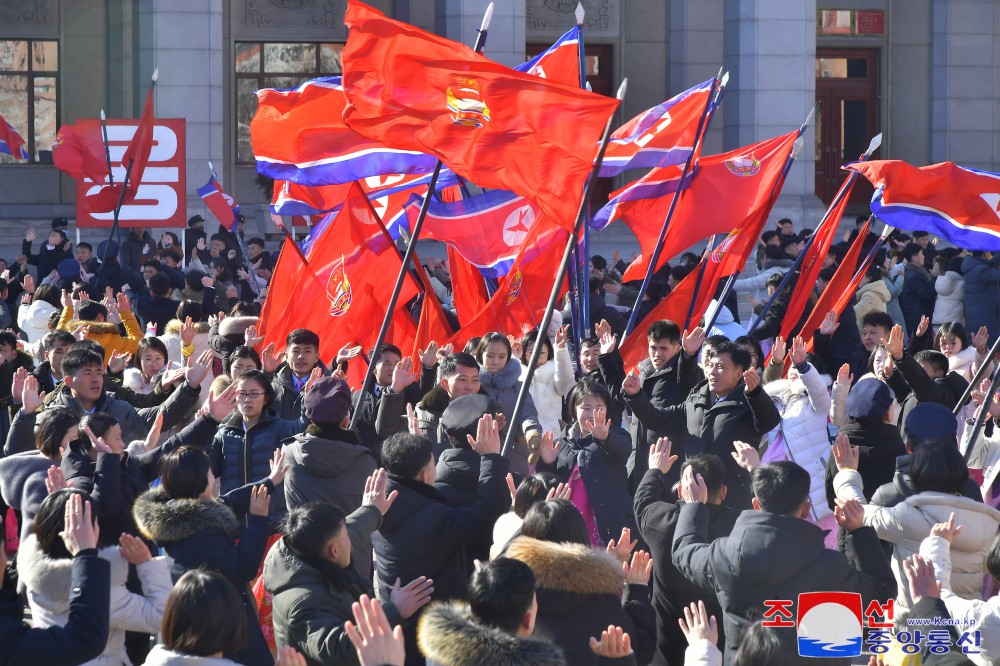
x=501 y=129
x=957 y=203
x=11 y=142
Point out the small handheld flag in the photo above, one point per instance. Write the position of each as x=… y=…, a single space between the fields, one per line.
x=11 y=142
x=223 y=207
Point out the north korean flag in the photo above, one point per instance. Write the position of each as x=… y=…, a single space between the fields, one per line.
x=223 y=207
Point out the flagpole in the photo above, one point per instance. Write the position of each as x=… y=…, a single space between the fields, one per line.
x=977 y=425
x=702 y=265
x=978 y=377
x=107 y=147
x=411 y=247
x=254 y=285
x=560 y=276
x=715 y=95
x=721 y=301
x=583 y=267
x=841 y=193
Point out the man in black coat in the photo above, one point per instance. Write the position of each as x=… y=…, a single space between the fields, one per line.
x=85 y=634
x=666 y=376
x=922 y=377
x=728 y=406
x=774 y=552
x=657 y=508
x=601 y=311
x=422 y=534
x=917 y=298
x=874 y=326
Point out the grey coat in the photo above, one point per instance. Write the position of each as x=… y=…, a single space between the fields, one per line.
x=503 y=387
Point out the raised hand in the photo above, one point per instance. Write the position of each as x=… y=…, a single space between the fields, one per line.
x=692 y=341
x=980 y=395
x=17 y=386
x=207 y=282
x=778 y=351
x=850 y=515
x=948 y=530
x=198 y=369
x=122 y=302
x=925 y=323
x=100 y=444
x=409 y=599
x=562 y=337
x=561 y=491
x=920 y=576
x=28 y=284
x=600 y=426
x=188 y=332
x=601 y=328
x=80 y=532
x=746 y=456
x=402 y=375
x=30 y=234
x=118 y=362
x=693 y=488
x=632 y=385
x=548 y=448
x=445 y=352
x=844 y=453
x=172 y=377
x=278 y=467
x=659 y=455
x=133 y=550
x=270 y=361
x=752 y=380
x=375 y=494
x=641 y=568
x=55 y=480
x=251 y=337
x=314 y=375
x=613 y=644
x=260 y=503
x=231 y=292
x=346 y=353
x=222 y=405
x=844 y=375
x=894 y=345
x=153 y=436
x=487 y=438
x=798 y=350
x=609 y=341
x=374 y=639
x=829 y=323
x=697 y=625
x=980 y=340
x=624 y=546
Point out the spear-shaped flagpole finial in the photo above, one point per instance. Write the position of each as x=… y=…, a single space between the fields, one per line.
x=487 y=17
x=875 y=143
x=580 y=13
x=210 y=167
x=156 y=74
x=103 y=117
x=622 y=89
x=724 y=80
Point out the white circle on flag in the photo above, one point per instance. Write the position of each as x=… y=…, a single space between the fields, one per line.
x=381 y=205
x=382 y=181
x=517 y=224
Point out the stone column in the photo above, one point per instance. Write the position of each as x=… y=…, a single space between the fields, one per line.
x=769 y=48
x=696 y=52
x=459 y=20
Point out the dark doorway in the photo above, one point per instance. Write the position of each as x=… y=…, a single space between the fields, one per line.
x=846 y=117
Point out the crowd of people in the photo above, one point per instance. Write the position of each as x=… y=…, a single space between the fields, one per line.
x=175 y=494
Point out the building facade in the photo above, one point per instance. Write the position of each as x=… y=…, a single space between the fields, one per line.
x=925 y=73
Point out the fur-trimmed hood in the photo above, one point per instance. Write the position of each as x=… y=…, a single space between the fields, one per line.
x=236 y=325
x=449 y=636
x=504 y=380
x=174 y=326
x=166 y=521
x=786 y=388
x=96 y=327
x=51 y=578
x=435 y=401
x=569 y=567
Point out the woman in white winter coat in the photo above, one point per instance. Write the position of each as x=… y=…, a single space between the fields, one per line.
x=804 y=403
x=553 y=376
x=973 y=615
x=939 y=475
x=33 y=318
x=45 y=568
x=950 y=287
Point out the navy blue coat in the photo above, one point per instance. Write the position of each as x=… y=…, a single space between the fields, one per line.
x=982 y=296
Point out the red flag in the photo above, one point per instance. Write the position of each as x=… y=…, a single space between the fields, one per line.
x=519 y=302
x=139 y=148
x=501 y=129
x=840 y=289
x=673 y=307
x=726 y=190
x=468 y=290
x=79 y=151
x=813 y=263
x=342 y=292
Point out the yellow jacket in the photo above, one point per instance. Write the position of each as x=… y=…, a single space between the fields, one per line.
x=108 y=335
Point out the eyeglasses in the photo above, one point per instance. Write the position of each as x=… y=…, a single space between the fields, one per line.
x=251 y=395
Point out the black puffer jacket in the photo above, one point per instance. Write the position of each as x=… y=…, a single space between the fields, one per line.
x=879 y=444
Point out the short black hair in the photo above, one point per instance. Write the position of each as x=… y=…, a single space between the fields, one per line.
x=826 y=274
x=760 y=644
x=53 y=424
x=50 y=520
x=256 y=240
x=452 y=362
x=529 y=339
x=79 y=358
x=781 y=487
x=911 y=250
x=679 y=272
x=8 y=339
x=501 y=592
x=489 y=339
x=188 y=308
x=84 y=245
x=245 y=352
x=153 y=263
x=588 y=387
x=90 y=310
x=302 y=336
x=950 y=328
x=386 y=348
x=532 y=490
x=596 y=286
x=204 y=615
x=184 y=473
x=589 y=342
x=774 y=280
x=556 y=520
x=934 y=358
x=57 y=337
x=712 y=470
x=193 y=278
x=938 y=468
x=767 y=235
x=737 y=354
x=877 y=318
x=99 y=423
x=309 y=527
x=404 y=455
x=664 y=330
x=159 y=284
x=261 y=378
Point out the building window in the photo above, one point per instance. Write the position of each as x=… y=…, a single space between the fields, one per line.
x=29 y=81
x=275 y=65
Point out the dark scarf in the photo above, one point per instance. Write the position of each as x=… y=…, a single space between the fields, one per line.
x=332 y=431
x=421 y=488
